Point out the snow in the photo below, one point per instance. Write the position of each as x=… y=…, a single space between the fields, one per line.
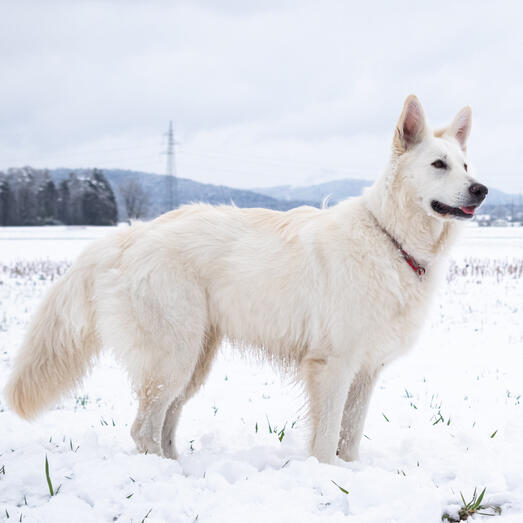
x=54 y=243
x=444 y=419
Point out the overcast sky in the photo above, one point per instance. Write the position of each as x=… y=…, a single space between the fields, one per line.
x=261 y=93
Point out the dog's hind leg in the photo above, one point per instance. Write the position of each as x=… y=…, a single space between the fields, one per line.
x=162 y=380
x=153 y=312
x=327 y=384
x=200 y=373
x=355 y=412
x=161 y=361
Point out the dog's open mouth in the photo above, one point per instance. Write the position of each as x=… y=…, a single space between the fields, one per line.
x=460 y=212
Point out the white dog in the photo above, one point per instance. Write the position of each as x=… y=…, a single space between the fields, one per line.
x=334 y=293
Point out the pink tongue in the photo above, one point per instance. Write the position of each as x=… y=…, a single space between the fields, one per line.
x=468 y=210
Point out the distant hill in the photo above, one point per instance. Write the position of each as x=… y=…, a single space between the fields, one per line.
x=496 y=198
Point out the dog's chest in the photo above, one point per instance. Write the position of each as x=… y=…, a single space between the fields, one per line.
x=403 y=314
x=387 y=310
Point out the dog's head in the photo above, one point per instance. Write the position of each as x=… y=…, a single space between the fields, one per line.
x=434 y=164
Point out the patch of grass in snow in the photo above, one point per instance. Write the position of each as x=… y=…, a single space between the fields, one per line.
x=486 y=268
x=82 y=400
x=269 y=424
x=410 y=396
x=39 y=269
x=439 y=418
x=72 y=447
x=273 y=429
x=472 y=507
x=7 y=515
x=48 y=477
x=344 y=490
x=281 y=433
x=514 y=397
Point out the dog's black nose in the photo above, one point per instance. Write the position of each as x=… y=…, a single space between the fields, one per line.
x=478 y=190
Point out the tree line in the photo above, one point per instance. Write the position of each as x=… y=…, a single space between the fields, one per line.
x=30 y=197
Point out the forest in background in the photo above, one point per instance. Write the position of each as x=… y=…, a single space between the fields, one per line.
x=30 y=197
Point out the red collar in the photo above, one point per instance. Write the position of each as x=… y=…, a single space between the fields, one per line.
x=414 y=265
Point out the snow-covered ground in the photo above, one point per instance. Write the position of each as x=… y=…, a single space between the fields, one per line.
x=444 y=419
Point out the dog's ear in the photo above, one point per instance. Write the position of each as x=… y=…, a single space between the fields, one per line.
x=460 y=126
x=411 y=126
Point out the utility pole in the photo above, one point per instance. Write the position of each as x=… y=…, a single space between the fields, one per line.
x=172 y=182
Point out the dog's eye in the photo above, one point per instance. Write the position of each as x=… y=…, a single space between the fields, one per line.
x=439 y=164
x=466 y=167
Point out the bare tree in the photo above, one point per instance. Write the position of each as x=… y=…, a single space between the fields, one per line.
x=135 y=198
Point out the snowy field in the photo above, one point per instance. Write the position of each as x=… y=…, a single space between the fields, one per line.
x=444 y=420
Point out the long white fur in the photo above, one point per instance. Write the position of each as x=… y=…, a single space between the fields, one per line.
x=321 y=290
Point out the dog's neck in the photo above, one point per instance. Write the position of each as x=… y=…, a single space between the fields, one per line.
x=425 y=238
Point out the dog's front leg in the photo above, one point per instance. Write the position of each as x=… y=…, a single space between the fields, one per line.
x=327 y=383
x=355 y=412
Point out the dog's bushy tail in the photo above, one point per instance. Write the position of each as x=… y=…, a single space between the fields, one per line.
x=59 y=346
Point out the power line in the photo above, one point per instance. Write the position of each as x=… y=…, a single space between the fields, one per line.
x=172 y=182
